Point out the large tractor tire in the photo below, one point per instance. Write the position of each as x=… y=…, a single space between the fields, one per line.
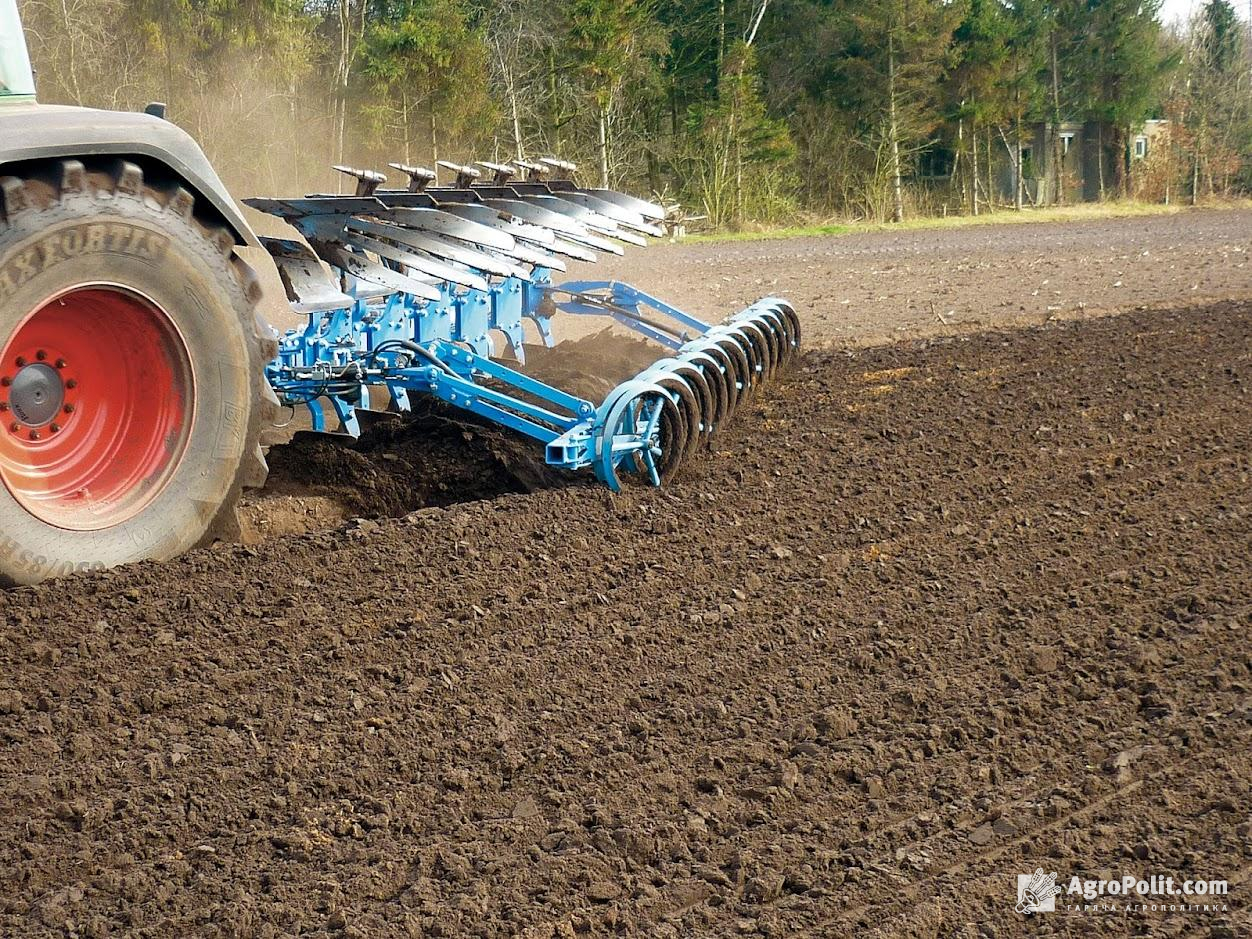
x=132 y=388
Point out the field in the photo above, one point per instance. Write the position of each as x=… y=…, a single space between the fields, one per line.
x=967 y=594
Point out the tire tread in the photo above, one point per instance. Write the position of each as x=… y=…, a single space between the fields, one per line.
x=66 y=179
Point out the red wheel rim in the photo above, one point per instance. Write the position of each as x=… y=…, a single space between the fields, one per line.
x=96 y=399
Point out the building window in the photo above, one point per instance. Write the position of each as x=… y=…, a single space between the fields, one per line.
x=1141 y=147
x=1067 y=140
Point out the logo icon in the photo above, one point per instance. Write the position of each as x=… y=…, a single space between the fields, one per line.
x=1036 y=893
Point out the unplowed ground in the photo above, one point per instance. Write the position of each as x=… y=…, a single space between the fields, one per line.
x=933 y=614
x=879 y=287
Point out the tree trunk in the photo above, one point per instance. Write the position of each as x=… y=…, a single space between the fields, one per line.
x=67 y=23
x=721 y=35
x=1128 y=180
x=340 y=133
x=1100 y=156
x=1019 y=186
x=1058 y=154
x=434 y=136
x=673 y=112
x=656 y=119
x=517 y=124
x=1118 y=163
x=1195 y=176
x=956 y=175
x=897 y=184
x=973 y=136
x=516 y=115
x=991 y=184
x=602 y=114
x=408 y=146
x=738 y=154
x=553 y=99
x=343 y=72
x=169 y=53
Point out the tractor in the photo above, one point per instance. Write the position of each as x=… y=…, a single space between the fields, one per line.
x=138 y=381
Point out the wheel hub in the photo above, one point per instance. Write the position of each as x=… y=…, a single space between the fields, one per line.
x=96 y=398
x=36 y=395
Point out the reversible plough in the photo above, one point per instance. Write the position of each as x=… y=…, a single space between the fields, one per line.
x=427 y=278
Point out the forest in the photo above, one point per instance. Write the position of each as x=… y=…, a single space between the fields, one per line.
x=743 y=111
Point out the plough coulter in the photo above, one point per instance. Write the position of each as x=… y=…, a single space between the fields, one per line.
x=137 y=379
x=432 y=281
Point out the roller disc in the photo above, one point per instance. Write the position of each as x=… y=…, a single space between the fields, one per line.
x=768 y=316
x=726 y=374
x=737 y=348
x=715 y=382
x=771 y=328
x=695 y=378
x=769 y=322
x=688 y=406
x=643 y=435
x=707 y=403
x=763 y=350
x=742 y=352
x=772 y=318
x=789 y=314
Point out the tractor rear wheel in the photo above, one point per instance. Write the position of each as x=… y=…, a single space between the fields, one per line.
x=132 y=389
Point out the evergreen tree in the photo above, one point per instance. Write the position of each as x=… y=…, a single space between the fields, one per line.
x=423 y=56
x=1119 y=66
x=894 y=59
x=1022 y=92
x=979 y=59
x=610 y=43
x=738 y=149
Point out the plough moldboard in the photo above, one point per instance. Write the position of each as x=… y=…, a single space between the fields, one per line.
x=429 y=276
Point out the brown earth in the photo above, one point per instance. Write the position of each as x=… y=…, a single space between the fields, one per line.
x=932 y=615
x=881 y=286
x=877 y=287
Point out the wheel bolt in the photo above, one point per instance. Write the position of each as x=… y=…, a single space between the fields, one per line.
x=21 y=361
x=41 y=355
x=61 y=363
x=68 y=409
x=34 y=435
x=54 y=427
x=4 y=405
x=6 y=381
x=72 y=383
x=15 y=427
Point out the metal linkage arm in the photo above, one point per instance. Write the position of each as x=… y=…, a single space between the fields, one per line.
x=632 y=308
x=448 y=372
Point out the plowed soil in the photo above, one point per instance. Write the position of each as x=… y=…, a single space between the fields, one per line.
x=931 y=615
